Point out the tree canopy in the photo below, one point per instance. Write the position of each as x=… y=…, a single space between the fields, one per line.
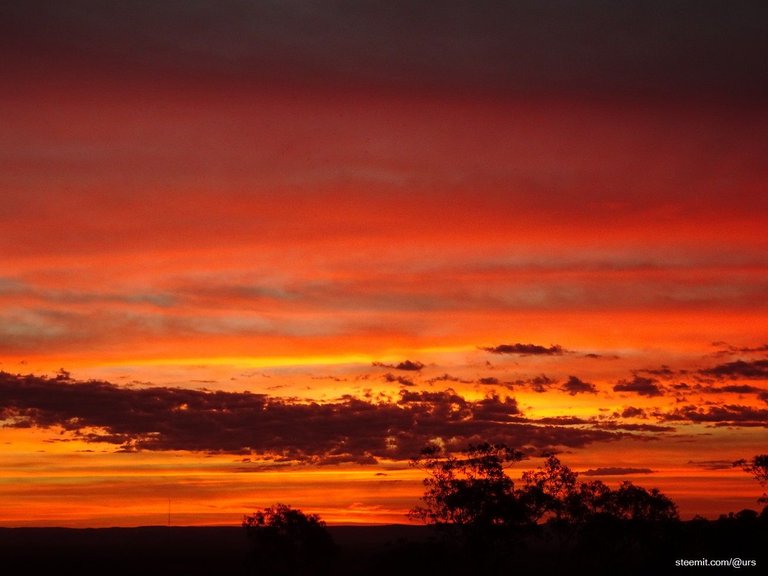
x=470 y=491
x=758 y=467
x=287 y=542
x=474 y=490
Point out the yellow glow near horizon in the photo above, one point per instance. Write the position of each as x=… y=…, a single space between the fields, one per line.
x=271 y=361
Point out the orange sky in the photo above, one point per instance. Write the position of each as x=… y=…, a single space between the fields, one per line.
x=383 y=246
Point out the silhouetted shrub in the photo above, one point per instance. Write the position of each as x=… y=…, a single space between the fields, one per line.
x=287 y=542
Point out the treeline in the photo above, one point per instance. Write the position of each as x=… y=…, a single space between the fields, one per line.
x=474 y=492
x=480 y=522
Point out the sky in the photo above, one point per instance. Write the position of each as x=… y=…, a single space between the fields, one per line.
x=260 y=252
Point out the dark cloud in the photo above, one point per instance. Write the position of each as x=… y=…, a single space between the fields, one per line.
x=539 y=383
x=594 y=424
x=731 y=388
x=616 y=471
x=633 y=427
x=727 y=349
x=756 y=349
x=633 y=412
x=399 y=379
x=525 y=349
x=560 y=420
x=754 y=369
x=586 y=47
x=576 y=386
x=348 y=429
x=447 y=378
x=726 y=415
x=739 y=389
x=601 y=356
x=712 y=464
x=663 y=371
x=407 y=365
x=639 y=385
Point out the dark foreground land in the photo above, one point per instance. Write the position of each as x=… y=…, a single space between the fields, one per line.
x=373 y=550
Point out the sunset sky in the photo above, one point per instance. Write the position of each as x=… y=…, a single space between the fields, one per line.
x=258 y=252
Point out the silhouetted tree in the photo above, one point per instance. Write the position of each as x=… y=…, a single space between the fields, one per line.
x=758 y=467
x=471 y=491
x=630 y=502
x=593 y=501
x=287 y=542
x=473 y=501
x=552 y=510
x=474 y=490
x=550 y=492
x=553 y=493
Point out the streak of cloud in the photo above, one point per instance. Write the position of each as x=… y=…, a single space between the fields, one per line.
x=526 y=349
x=616 y=471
